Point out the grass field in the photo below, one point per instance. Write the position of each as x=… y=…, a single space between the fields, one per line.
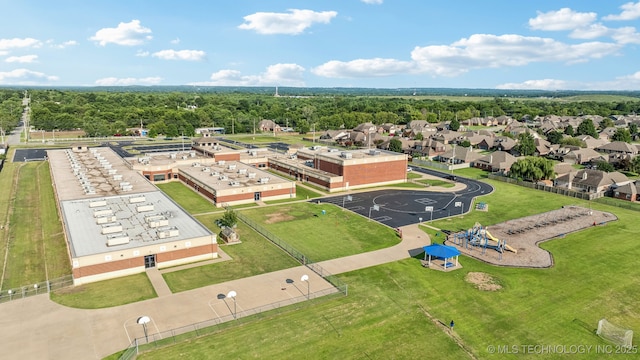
x=187 y=198
x=254 y=256
x=441 y=183
x=321 y=237
x=107 y=293
x=387 y=313
x=37 y=251
x=302 y=193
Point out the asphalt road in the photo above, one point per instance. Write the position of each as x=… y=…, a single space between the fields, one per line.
x=396 y=208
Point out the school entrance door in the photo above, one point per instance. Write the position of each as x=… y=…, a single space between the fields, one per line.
x=150 y=261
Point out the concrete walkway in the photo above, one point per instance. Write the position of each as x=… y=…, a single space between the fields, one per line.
x=159 y=285
x=38 y=328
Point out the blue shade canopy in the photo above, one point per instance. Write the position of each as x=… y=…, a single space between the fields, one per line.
x=441 y=251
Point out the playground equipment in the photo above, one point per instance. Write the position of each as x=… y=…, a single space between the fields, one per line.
x=478 y=236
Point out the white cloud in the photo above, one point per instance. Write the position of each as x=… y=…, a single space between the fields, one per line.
x=630 y=11
x=25 y=77
x=113 y=81
x=544 y=84
x=189 y=55
x=563 y=19
x=376 y=2
x=62 y=45
x=175 y=41
x=591 y=31
x=22 y=59
x=141 y=53
x=292 y=23
x=128 y=34
x=16 y=43
x=493 y=51
x=363 y=68
x=626 y=35
x=278 y=74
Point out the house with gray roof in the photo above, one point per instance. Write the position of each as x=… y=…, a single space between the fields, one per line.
x=498 y=161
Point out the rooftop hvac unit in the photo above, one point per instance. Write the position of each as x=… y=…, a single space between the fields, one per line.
x=195 y=164
x=242 y=171
x=184 y=157
x=158 y=222
x=117 y=239
x=234 y=183
x=105 y=219
x=106 y=166
x=316 y=147
x=251 y=175
x=374 y=152
x=166 y=232
x=192 y=153
x=127 y=188
x=263 y=180
x=172 y=155
x=333 y=150
x=137 y=199
x=153 y=217
x=102 y=212
x=231 y=167
x=144 y=208
x=346 y=155
x=143 y=159
x=206 y=169
x=222 y=177
x=95 y=204
x=111 y=228
x=117 y=177
x=112 y=171
x=221 y=162
x=253 y=152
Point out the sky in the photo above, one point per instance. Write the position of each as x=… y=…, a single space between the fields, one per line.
x=488 y=44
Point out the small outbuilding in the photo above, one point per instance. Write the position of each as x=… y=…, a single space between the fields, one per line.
x=443 y=252
x=229 y=236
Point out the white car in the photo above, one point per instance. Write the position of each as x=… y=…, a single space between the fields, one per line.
x=409 y=169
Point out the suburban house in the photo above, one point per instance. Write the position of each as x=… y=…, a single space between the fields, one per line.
x=591 y=142
x=629 y=192
x=582 y=156
x=498 y=161
x=268 y=125
x=591 y=181
x=504 y=143
x=459 y=155
x=618 y=147
x=446 y=136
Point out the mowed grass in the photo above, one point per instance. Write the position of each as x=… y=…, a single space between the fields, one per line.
x=254 y=256
x=320 y=237
x=7 y=179
x=433 y=182
x=302 y=193
x=188 y=199
x=36 y=246
x=385 y=314
x=107 y=293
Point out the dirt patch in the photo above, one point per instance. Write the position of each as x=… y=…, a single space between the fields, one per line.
x=278 y=217
x=482 y=281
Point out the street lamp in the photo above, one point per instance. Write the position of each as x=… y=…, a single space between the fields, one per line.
x=305 y=278
x=459 y=204
x=232 y=294
x=430 y=210
x=144 y=320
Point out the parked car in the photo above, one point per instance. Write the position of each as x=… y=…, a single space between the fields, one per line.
x=451 y=177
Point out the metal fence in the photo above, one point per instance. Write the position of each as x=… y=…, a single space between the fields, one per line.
x=164 y=338
x=551 y=189
x=303 y=259
x=440 y=165
x=35 y=289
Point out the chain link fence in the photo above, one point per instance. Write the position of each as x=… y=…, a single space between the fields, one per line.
x=24 y=291
x=551 y=189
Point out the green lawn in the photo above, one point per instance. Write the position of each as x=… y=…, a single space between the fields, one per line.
x=385 y=314
x=412 y=175
x=107 y=293
x=188 y=199
x=321 y=237
x=254 y=256
x=37 y=251
x=302 y=193
x=434 y=182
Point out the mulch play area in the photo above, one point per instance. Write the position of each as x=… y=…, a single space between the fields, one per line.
x=524 y=234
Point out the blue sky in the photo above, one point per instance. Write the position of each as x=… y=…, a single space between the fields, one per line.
x=503 y=44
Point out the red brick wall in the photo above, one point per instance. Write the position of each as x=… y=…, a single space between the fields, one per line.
x=185 y=253
x=245 y=196
x=228 y=157
x=375 y=172
x=108 y=267
x=330 y=167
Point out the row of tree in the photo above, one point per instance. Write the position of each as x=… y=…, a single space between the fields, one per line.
x=173 y=113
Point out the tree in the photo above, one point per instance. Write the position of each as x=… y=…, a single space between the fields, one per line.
x=606 y=122
x=465 y=143
x=419 y=136
x=454 y=125
x=635 y=165
x=604 y=166
x=229 y=219
x=526 y=144
x=621 y=134
x=532 y=168
x=573 y=142
x=569 y=130
x=633 y=128
x=586 y=127
x=395 y=145
x=554 y=137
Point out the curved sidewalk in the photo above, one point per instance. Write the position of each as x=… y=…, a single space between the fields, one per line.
x=38 y=328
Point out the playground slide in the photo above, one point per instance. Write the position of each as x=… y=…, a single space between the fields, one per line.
x=490 y=237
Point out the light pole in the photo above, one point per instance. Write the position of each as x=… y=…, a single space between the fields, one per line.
x=305 y=278
x=232 y=294
x=459 y=204
x=144 y=320
x=374 y=207
x=10 y=293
